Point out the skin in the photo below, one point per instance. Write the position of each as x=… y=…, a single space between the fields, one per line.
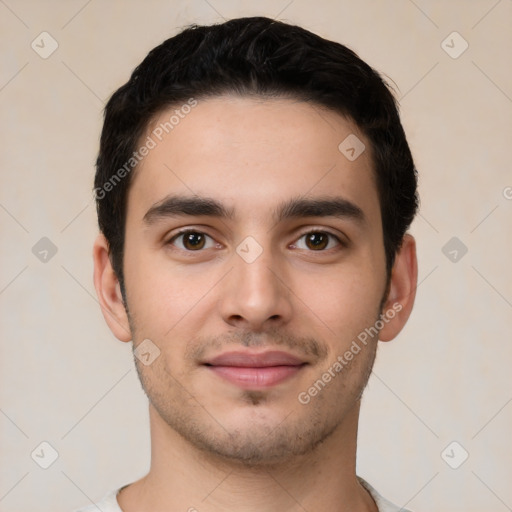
x=253 y=449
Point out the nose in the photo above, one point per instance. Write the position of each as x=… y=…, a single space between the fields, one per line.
x=256 y=295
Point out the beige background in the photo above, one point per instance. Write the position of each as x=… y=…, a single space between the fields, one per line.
x=67 y=381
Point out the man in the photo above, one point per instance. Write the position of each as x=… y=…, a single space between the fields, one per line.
x=254 y=188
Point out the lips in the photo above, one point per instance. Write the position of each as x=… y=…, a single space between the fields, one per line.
x=255 y=370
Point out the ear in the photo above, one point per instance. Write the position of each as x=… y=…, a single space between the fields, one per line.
x=402 y=290
x=109 y=291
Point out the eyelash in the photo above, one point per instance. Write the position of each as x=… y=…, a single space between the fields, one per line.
x=340 y=242
x=311 y=231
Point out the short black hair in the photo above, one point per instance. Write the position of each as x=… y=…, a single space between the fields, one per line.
x=254 y=56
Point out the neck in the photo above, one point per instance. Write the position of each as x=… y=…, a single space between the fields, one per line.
x=183 y=477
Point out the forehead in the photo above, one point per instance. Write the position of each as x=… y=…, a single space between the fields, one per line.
x=250 y=153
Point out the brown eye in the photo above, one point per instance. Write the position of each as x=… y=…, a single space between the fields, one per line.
x=317 y=241
x=192 y=241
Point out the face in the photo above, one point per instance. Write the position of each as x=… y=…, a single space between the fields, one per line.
x=254 y=258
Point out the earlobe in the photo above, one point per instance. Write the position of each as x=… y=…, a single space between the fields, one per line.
x=402 y=290
x=109 y=291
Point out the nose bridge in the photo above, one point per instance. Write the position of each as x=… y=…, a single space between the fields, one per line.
x=256 y=292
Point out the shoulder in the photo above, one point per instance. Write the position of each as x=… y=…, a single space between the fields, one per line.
x=107 y=504
x=382 y=503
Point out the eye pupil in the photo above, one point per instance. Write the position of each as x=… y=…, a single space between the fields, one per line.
x=193 y=240
x=317 y=240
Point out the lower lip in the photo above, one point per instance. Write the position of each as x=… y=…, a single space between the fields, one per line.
x=253 y=378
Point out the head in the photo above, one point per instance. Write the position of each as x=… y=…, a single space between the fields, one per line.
x=239 y=134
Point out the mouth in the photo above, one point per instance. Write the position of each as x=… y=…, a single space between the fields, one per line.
x=255 y=370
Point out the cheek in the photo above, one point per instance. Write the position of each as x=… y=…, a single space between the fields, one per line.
x=344 y=301
x=160 y=294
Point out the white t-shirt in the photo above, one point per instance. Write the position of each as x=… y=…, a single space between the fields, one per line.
x=109 y=502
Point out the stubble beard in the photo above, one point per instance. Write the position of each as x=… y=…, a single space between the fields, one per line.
x=256 y=444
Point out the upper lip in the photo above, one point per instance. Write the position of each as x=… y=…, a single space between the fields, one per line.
x=255 y=360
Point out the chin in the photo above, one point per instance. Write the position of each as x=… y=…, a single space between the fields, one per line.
x=263 y=438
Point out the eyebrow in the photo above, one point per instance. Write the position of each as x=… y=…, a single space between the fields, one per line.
x=196 y=206
x=320 y=207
